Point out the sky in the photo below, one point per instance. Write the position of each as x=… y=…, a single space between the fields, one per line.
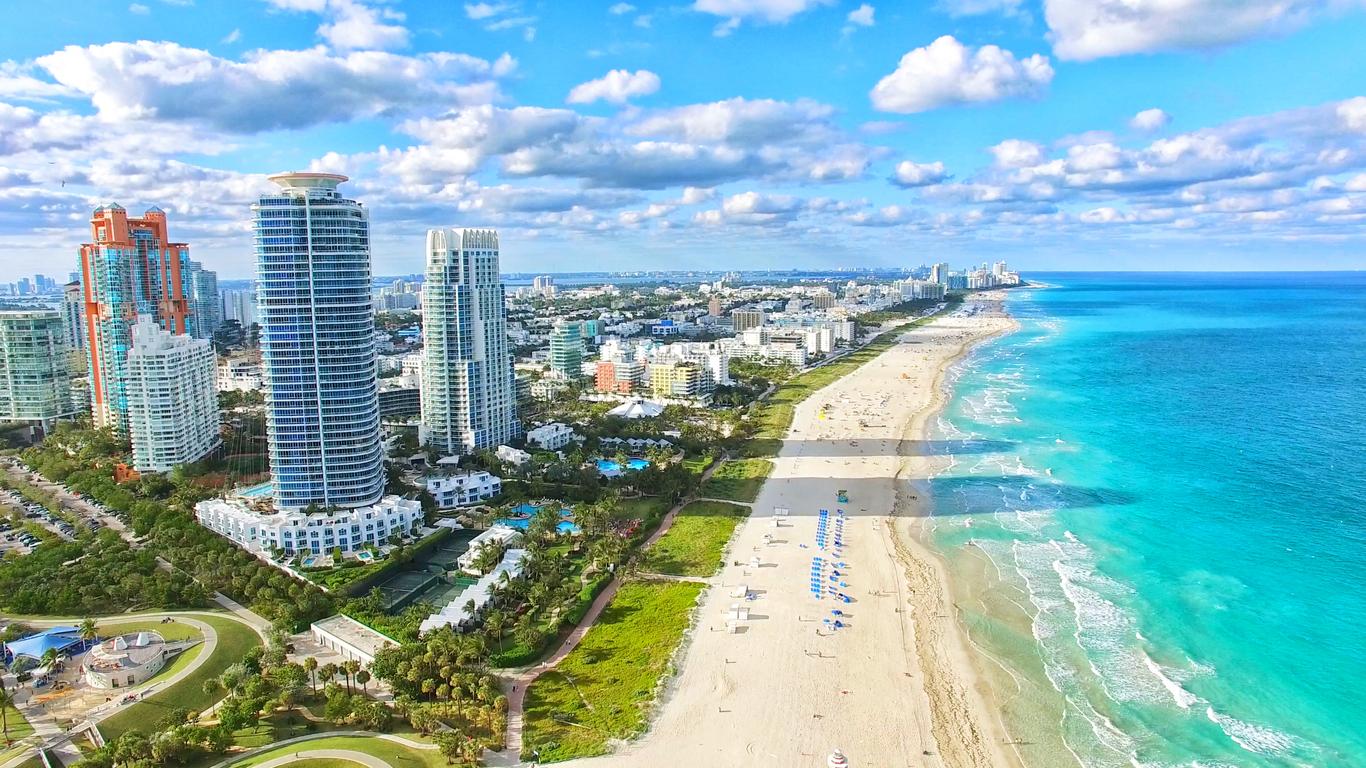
x=711 y=134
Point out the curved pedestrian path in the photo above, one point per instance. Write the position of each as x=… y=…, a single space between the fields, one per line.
x=351 y=756
x=515 y=686
x=51 y=736
x=303 y=754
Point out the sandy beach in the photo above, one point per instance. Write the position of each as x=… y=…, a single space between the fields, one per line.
x=896 y=684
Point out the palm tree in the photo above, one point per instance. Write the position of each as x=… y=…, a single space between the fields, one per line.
x=351 y=667
x=49 y=657
x=88 y=632
x=6 y=701
x=311 y=665
x=363 y=677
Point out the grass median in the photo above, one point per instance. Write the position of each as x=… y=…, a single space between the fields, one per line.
x=694 y=544
x=604 y=689
x=234 y=640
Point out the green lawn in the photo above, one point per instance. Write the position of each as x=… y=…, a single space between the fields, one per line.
x=737 y=480
x=322 y=763
x=693 y=546
x=234 y=639
x=604 y=689
x=171 y=632
x=18 y=726
x=395 y=754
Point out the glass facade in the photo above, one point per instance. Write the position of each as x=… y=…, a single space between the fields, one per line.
x=317 y=344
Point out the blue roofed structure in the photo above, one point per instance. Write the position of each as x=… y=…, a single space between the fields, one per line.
x=34 y=646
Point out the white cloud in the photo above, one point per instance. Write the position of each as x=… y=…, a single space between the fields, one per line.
x=946 y=72
x=480 y=11
x=1352 y=113
x=617 y=87
x=168 y=82
x=861 y=16
x=978 y=7
x=231 y=37
x=1091 y=29
x=351 y=24
x=1014 y=153
x=910 y=174
x=740 y=121
x=735 y=12
x=1150 y=120
x=621 y=9
x=139 y=9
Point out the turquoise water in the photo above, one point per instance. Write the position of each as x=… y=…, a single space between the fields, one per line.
x=607 y=466
x=1154 y=516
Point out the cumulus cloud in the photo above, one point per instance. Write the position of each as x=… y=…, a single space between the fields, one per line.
x=1092 y=29
x=736 y=12
x=352 y=24
x=621 y=9
x=911 y=174
x=861 y=16
x=139 y=9
x=946 y=72
x=738 y=120
x=168 y=82
x=1014 y=153
x=1150 y=120
x=616 y=87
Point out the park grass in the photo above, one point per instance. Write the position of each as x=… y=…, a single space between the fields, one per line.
x=774 y=417
x=234 y=640
x=316 y=762
x=395 y=754
x=617 y=668
x=693 y=546
x=737 y=480
x=110 y=626
x=18 y=728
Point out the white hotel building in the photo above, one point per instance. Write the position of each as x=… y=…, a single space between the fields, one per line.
x=297 y=531
x=172 y=402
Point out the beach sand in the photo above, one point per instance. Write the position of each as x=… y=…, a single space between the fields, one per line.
x=897 y=686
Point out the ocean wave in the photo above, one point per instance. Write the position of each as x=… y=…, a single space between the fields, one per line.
x=1183 y=698
x=1257 y=739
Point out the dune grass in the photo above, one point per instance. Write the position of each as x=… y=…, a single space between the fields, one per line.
x=694 y=544
x=737 y=480
x=605 y=688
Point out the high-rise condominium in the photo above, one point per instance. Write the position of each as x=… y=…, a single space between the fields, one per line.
x=566 y=350
x=206 y=307
x=469 y=392
x=318 y=344
x=172 y=402
x=34 y=378
x=128 y=270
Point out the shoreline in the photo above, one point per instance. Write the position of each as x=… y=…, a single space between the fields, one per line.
x=897 y=685
x=946 y=649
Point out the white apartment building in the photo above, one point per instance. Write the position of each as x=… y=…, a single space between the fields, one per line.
x=469 y=392
x=172 y=401
x=551 y=437
x=239 y=376
x=296 y=531
x=463 y=488
x=514 y=456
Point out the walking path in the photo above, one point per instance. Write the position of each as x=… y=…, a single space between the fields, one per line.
x=409 y=743
x=519 y=682
x=48 y=735
x=369 y=761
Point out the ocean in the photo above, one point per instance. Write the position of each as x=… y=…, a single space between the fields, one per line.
x=1154 y=518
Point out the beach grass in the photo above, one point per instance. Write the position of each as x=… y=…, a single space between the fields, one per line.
x=694 y=544
x=737 y=480
x=605 y=688
x=395 y=754
x=234 y=640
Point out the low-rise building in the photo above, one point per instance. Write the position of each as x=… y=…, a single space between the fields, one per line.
x=260 y=529
x=513 y=456
x=124 y=661
x=463 y=488
x=239 y=375
x=497 y=535
x=350 y=639
x=550 y=437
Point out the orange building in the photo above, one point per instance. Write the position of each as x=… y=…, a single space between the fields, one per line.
x=129 y=269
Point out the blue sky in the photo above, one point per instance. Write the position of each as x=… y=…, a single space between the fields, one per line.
x=1056 y=134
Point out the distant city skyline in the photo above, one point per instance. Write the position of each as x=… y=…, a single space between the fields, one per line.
x=1051 y=133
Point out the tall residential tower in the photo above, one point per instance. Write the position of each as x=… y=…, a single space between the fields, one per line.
x=318 y=344
x=469 y=393
x=129 y=269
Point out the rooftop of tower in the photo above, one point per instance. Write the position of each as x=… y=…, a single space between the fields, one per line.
x=307 y=180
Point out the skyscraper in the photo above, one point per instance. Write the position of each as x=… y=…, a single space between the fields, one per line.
x=205 y=306
x=469 y=392
x=129 y=269
x=317 y=344
x=566 y=350
x=34 y=379
x=172 y=402
x=73 y=314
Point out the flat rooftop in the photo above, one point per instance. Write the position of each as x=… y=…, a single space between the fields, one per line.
x=357 y=635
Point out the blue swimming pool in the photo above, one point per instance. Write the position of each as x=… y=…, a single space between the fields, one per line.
x=522 y=523
x=611 y=467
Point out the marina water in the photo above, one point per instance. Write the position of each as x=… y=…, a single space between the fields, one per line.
x=1153 y=518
